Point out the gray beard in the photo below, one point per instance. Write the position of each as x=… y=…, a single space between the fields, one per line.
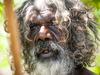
x=64 y=65
x=53 y=68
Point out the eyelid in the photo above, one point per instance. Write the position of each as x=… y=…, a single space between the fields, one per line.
x=32 y=25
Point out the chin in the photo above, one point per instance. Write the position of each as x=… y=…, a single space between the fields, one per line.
x=51 y=59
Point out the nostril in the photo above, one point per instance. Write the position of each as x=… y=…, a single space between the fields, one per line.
x=47 y=39
x=45 y=36
x=42 y=36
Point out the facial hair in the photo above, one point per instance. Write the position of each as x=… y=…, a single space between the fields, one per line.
x=63 y=65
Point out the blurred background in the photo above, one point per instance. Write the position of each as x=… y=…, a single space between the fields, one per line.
x=4 y=42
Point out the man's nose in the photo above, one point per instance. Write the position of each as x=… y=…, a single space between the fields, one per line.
x=44 y=33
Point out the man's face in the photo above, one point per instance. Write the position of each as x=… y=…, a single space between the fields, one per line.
x=48 y=37
x=46 y=49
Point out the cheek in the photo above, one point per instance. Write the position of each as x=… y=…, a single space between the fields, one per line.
x=61 y=34
x=32 y=33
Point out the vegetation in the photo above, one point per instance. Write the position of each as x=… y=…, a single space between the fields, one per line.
x=4 y=62
x=95 y=5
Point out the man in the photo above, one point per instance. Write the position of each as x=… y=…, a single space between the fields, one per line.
x=56 y=37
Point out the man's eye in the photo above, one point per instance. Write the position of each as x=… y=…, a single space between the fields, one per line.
x=33 y=26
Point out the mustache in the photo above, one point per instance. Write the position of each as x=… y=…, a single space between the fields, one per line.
x=43 y=44
x=49 y=45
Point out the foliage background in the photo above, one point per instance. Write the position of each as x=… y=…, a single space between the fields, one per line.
x=95 y=4
x=4 y=42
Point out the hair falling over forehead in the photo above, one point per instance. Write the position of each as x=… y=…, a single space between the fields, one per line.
x=72 y=17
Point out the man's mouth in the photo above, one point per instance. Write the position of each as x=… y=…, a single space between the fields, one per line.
x=45 y=50
x=45 y=53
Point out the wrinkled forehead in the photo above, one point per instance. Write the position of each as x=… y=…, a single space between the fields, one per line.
x=45 y=4
x=41 y=4
x=43 y=10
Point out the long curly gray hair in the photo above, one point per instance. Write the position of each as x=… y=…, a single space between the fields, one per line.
x=76 y=21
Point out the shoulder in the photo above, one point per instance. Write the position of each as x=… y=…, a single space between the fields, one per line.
x=83 y=71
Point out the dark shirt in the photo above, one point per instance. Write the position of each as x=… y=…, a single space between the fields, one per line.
x=83 y=71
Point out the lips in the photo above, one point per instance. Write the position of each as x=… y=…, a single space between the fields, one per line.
x=45 y=53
